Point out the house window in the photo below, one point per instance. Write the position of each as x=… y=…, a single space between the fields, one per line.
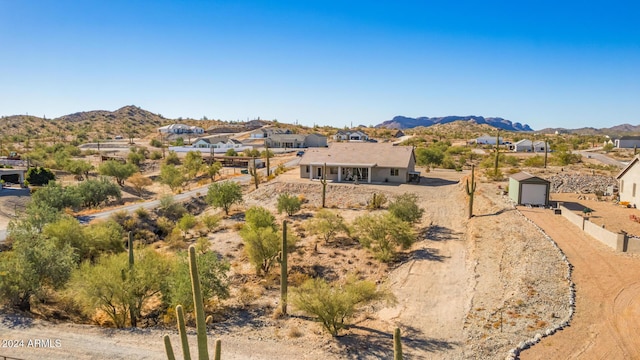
x=306 y=169
x=394 y=172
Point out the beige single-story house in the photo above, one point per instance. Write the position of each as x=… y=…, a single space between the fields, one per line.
x=628 y=181
x=363 y=162
x=350 y=135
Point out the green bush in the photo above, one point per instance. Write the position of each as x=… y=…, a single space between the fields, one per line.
x=289 y=204
x=333 y=305
x=39 y=176
x=383 y=234
x=213 y=280
x=224 y=195
x=405 y=207
x=327 y=225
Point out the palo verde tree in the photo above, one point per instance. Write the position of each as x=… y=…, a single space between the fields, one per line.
x=405 y=207
x=117 y=170
x=288 y=203
x=334 y=304
x=327 y=224
x=224 y=195
x=383 y=234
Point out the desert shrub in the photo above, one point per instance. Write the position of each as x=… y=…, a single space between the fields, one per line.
x=117 y=170
x=383 y=234
x=224 y=195
x=117 y=289
x=211 y=221
x=35 y=266
x=405 y=207
x=139 y=182
x=534 y=161
x=176 y=240
x=155 y=143
x=187 y=222
x=55 y=196
x=289 y=204
x=155 y=155
x=142 y=213
x=495 y=175
x=170 y=208
x=334 y=304
x=262 y=239
x=172 y=176
x=39 y=176
x=213 y=280
x=172 y=158
x=165 y=225
x=377 y=201
x=327 y=224
x=96 y=192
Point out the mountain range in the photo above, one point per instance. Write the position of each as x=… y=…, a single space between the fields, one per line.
x=403 y=122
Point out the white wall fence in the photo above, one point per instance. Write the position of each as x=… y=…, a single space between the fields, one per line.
x=617 y=241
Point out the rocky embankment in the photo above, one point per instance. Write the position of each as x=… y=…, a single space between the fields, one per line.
x=580 y=184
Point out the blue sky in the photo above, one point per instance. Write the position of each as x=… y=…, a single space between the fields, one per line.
x=544 y=63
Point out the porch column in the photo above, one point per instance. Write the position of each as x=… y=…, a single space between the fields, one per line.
x=339 y=173
x=369 y=180
x=310 y=172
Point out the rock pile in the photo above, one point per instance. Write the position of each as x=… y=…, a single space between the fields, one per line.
x=583 y=184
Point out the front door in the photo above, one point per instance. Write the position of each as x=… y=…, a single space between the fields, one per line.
x=319 y=170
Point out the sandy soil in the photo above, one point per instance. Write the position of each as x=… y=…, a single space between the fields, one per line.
x=468 y=289
x=605 y=325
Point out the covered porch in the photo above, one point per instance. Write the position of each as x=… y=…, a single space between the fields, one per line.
x=341 y=172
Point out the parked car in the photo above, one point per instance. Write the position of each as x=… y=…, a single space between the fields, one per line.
x=300 y=153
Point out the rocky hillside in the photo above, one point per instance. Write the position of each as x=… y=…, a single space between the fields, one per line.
x=88 y=125
x=403 y=122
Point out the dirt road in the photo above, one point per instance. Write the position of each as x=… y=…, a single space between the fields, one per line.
x=434 y=288
x=606 y=323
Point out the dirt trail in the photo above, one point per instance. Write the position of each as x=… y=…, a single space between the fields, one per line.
x=606 y=322
x=433 y=288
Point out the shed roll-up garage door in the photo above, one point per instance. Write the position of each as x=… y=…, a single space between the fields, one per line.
x=534 y=194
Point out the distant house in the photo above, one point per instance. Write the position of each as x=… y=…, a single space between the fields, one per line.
x=526 y=189
x=350 y=135
x=364 y=162
x=628 y=181
x=217 y=142
x=526 y=145
x=315 y=140
x=267 y=132
x=488 y=140
x=627 y=142
x=286 y=140
x=180 y=129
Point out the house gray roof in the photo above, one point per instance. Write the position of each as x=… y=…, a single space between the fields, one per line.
x=629 y=137
x=525 y=176
x=369 y=154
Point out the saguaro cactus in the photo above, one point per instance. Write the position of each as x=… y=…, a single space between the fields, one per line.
x=201 y=326
x=266 y=152
x=323 y=181
x=397 y=345
x=132 y=307
x=495 y=165
x=254 y=172
x=471 y=189
x=283 y=269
